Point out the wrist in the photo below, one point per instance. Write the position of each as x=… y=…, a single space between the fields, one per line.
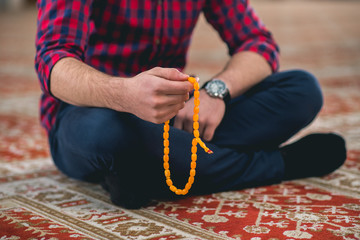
x=112 y=92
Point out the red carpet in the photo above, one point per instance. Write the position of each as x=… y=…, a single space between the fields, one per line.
x=37 y=202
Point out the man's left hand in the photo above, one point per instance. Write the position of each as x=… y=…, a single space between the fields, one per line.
x=211 y=113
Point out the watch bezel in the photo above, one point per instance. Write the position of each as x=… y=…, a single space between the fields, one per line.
x=221 y=94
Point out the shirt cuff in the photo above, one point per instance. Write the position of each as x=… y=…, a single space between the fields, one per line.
x=267 y=50
x=45 y=64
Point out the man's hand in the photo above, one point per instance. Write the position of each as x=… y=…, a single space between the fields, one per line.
x=211 y=113
x=155 y=95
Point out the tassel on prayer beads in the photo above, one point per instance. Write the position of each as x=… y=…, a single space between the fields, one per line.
x=196 y=140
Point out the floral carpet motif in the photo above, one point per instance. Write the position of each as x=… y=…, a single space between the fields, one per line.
x=38 y=202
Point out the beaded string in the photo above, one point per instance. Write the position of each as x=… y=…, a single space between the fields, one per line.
x=196 y=140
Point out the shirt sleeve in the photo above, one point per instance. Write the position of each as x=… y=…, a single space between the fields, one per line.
x=241 y=29
x=62 y=31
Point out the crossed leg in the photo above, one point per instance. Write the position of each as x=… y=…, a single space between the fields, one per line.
x=125 y=152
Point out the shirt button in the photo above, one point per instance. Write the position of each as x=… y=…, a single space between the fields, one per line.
x=157 y=41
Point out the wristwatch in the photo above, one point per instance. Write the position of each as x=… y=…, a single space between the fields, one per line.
x=218 y=89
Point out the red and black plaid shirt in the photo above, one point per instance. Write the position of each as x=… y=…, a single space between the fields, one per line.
x=126 y=37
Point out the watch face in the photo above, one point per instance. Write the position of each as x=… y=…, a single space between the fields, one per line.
x=216 y=88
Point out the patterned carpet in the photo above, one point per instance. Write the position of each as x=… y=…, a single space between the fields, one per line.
x=38 y=202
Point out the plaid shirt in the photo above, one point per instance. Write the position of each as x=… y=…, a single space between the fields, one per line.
x=124 y=38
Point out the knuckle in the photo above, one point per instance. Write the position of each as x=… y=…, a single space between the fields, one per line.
x=202 y=120
x=154 y=85
x=181 y=105
x=155 y=102
x=173 y=71
x=157 y=117
x=211 y=123
x=156 y=69
x=152 y=102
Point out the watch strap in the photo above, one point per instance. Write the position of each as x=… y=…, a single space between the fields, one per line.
x=227 y=98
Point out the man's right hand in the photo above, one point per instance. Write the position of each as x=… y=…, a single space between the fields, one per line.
x=155 y=95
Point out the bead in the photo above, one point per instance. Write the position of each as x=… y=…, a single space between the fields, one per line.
x=196 y=94
x=196 y=109
x=166 y=135
x=169 y=182
x=173 y=188
x=193 y=149
x=191 y=180
x=196 y=102
x=196 y=133
x=196 y=86
x=195 y=141
x=192 y=80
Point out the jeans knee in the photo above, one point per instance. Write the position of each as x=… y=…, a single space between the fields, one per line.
x=111 y=135
x=307 y=94
x=92 y=141
x=311 y=86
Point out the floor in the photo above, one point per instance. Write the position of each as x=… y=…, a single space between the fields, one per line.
x=321 y=36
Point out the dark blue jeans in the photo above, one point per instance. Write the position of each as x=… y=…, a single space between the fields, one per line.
x=90 y=143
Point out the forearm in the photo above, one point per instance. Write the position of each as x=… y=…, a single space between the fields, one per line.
x=155 y=95
x=75 y=82
x=244 y=70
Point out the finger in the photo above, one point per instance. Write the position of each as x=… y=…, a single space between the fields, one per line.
x=188 y=125
x=167 y=87
x=174 y=88
x=175 y=99
x=165 y=103
x=177 y=107
x=172 y=111
x=201 y=129
x=169 y=73
x=178 y=123
x=209 y=132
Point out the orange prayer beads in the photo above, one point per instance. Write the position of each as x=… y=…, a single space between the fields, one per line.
x=196 y=140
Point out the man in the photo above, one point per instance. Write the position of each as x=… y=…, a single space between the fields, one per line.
x=111 y=75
